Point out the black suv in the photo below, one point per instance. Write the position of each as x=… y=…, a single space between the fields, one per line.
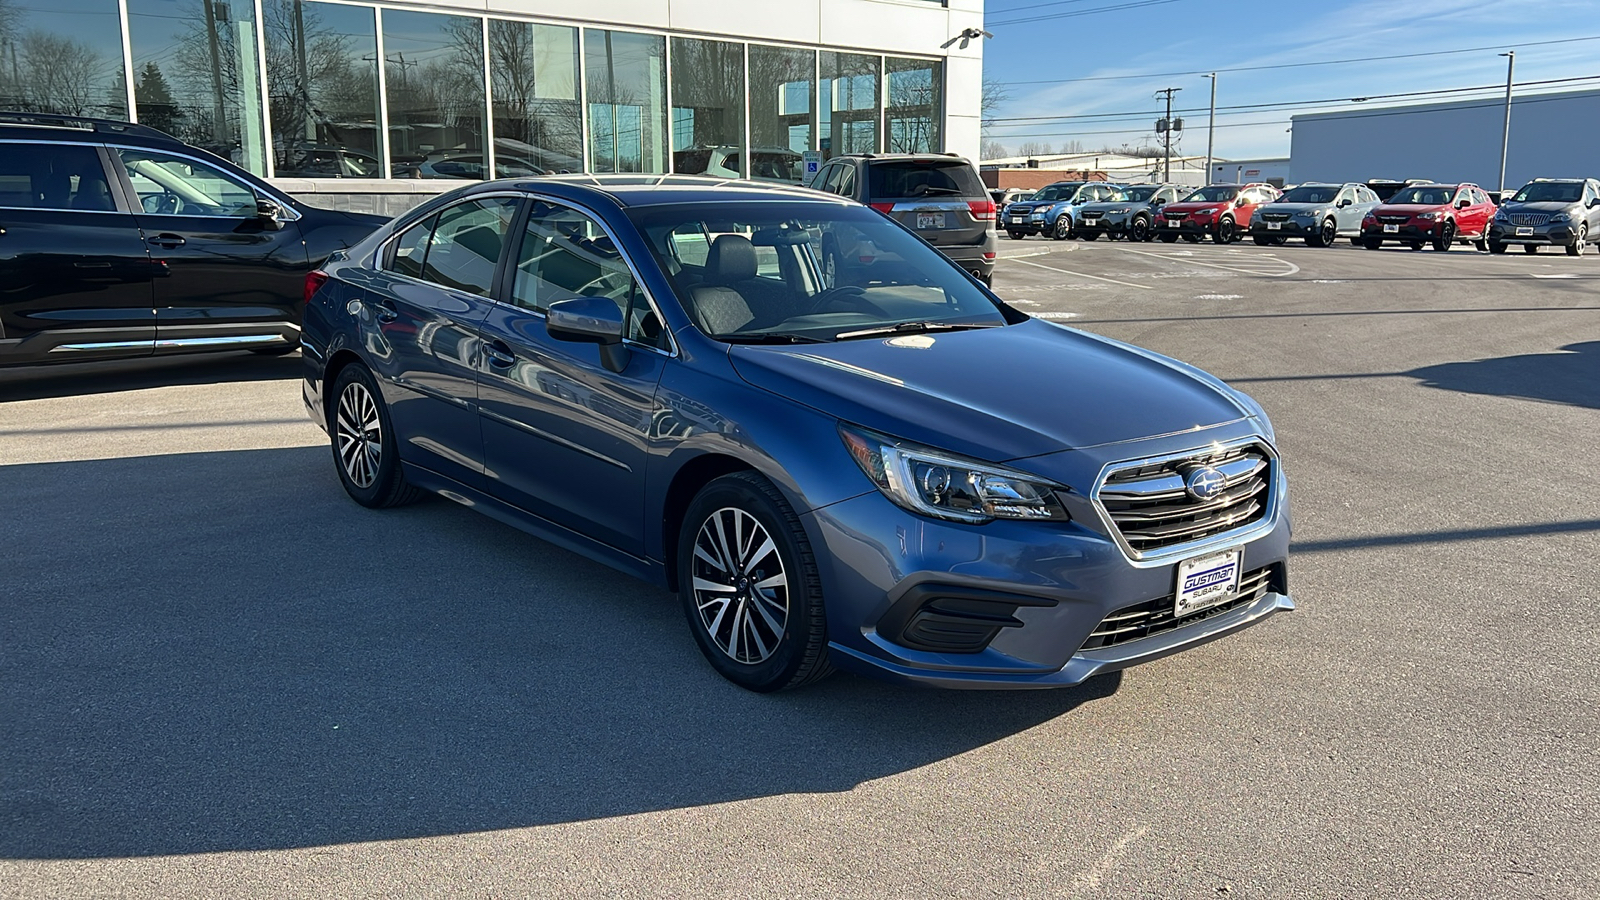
x=117 y=241
x=937 y=195
x=1564 y=212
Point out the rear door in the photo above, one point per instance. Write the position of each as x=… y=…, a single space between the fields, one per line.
x=75 y=280
x=932 y=197
x=228 y=276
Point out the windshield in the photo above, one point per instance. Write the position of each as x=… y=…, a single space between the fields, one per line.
x=1216 y=193
x=1135 y=195
x=1424 y=195
x=1550 y=192
x=751 y=272
x=1058 y=191
x=1310 y=193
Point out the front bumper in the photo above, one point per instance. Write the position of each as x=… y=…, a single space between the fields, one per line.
x=1289 y=228
x=1183 y=226
x=1408 y=231
x=1105 y=224
x=1557 y=235
x=1065 y=579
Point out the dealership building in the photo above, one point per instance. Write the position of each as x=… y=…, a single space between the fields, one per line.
x=374 y=105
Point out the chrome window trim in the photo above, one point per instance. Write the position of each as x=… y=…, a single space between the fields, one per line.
x=285 y=203
x=115 y=186
x=1236 y=537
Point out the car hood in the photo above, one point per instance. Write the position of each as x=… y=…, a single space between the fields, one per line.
x=1194 y=207
x=995 y=394
x=1539 y=206
x=1408 y=209
x=1295 y=207
x=1108 y=205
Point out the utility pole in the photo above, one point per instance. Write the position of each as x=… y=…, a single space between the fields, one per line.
x=1211 y=124
x=1166 y=128
x=1505 y=137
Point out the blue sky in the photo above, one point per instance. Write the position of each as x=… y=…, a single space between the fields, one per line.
x=1172 y=36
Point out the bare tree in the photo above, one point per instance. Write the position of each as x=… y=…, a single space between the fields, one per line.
x=1035 y=148
x=992 y=149
x=60 y=73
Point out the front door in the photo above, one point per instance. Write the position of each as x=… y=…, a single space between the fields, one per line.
x=75 y=281
x=227 y=275
x=564 y=437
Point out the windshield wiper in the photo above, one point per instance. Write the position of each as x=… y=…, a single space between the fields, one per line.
x=769 y=337
x=913 y=328
x=942 y=191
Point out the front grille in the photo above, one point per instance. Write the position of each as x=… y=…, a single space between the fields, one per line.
x=1142 y=620
x=1275 y=217
x=1530 y=218
x=1093 y=215
x=1149 y=505
x=1394 y=220
x=1177 y=216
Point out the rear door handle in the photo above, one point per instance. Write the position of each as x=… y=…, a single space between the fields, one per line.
x=166 y=241
x=500 y=356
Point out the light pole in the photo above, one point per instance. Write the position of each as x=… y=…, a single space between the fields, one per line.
x=1505 y=136
x=1211 y=124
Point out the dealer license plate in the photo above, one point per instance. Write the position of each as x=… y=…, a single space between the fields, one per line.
x=1391 y=229
x=1019 y=220
x=1525 y=232
x=1205 y=581
x=1172 y=223
x=930 y=220
x=1274 y=226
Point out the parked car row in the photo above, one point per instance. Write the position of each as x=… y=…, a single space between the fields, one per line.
x=1547 y=212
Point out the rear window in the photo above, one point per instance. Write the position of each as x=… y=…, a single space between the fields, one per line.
x=924 y=178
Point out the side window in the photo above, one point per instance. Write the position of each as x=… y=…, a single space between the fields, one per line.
x=564 y=253
x=58 y=176
x=171 y=185
x=827 y=179
x=466 y=243
x=847 y=181
x=411 y=248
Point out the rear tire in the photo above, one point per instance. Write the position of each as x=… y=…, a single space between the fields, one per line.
x=1192 y=238
x=1496 y=247
x=1090 y=236
x=1262 y=240
x=1015 y=235
x=1530 y=248
x=1416 y=245
x=1372 y=243
x=742 y=551
x=1167 y=238
x=365 y=451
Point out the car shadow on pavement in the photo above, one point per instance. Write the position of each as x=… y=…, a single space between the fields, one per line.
x=1570 y=377
x=77 y=379
x=219 y=651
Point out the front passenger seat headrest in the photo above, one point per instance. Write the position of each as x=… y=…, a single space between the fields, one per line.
x=732 y=258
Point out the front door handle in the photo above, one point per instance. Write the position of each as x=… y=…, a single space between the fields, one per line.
x=499 y=355
x=166 y=241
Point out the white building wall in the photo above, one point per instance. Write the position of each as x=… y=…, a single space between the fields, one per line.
x=1552 y=135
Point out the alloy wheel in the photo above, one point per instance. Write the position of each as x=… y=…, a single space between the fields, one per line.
x=360 y=435
x=1330 y=233
x=1140 y=230
x=740 y=587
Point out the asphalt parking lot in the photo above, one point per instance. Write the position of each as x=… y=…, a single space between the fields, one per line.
x=223 y=678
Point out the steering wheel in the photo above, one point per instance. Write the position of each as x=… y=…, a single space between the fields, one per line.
x=165 y=203
x=835 y=294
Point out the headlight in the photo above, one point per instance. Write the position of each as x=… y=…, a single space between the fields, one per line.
x=1430 y=216
x=1308 y=214
x=934 y=483
x=1561 y=217
x=1501 y=215
x=1118 y=211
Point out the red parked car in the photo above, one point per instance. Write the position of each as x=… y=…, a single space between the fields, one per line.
x=1220 y=210
x=1439 y=214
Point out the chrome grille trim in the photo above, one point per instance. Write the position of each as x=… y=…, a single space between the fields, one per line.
x=1275 y=217
x=1530 y=218
x=1145 y=507
x=1130 y=623
x=1394 y=220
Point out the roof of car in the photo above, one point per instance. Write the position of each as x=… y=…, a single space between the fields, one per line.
x=77 y=128
x=658 y=190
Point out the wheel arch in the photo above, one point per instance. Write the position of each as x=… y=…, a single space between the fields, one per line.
x=687 y=482
x=337 y=361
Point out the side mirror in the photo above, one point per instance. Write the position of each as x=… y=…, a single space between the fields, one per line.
x=1593 y=202
x=1343 y=203
x=590 y=320
x=268 y=212
x=1159 y=202
x=1463 y=203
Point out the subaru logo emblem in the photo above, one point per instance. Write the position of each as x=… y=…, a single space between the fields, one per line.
x=1204 y=483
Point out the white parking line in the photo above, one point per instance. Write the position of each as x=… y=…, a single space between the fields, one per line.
x=1142 y=287
x=1189 y=259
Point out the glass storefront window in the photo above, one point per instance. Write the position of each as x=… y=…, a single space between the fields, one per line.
x=782 y=111
x=63 y=57
x=912 y=118
x=538 y=123
x=707 y=108
x=197 y=75
x=849 y=104
x=627 y=96
x=433 y=69
x=322 y=84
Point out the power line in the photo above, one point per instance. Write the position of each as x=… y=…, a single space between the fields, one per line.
x=1301 y=65
x=1290 y=104
x=1081 y=12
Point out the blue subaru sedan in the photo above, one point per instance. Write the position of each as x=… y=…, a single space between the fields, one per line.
x=838 y=448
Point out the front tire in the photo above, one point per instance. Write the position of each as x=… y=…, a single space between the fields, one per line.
x=364 y=447
x=1062 y=229
x=749 y=585
x=1576 y=247
x=1139 y=231
x=1447 y=236
x=1326 y=234
x=1225 y=233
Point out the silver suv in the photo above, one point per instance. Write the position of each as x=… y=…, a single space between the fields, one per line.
x=938 y=196
x=1320 y=213
x=1128 y=213
x=1564 y=212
